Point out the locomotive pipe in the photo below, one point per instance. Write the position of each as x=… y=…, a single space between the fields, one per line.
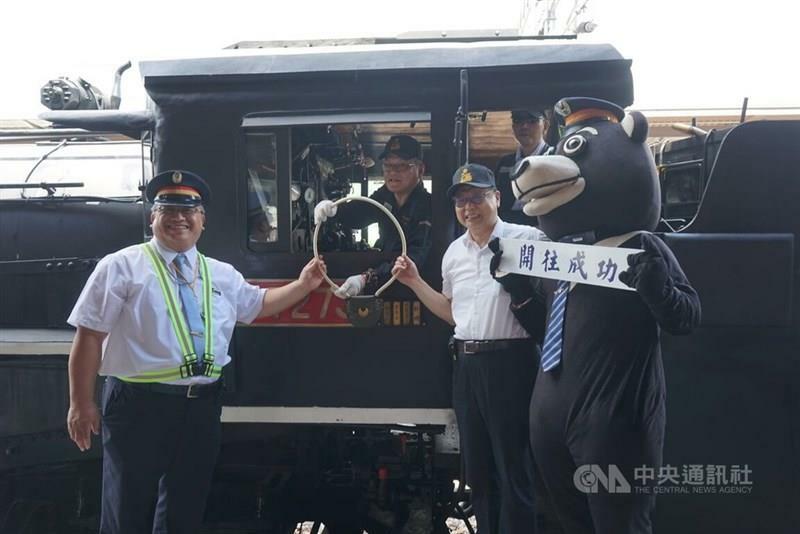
x=116 y=91
x=743 y=115
x=687 y=129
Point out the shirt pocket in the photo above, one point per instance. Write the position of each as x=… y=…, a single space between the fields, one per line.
x=224 y=318
x=463 y=286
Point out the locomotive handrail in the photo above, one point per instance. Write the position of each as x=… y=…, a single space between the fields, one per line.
x=392 y=218
x=41 y=185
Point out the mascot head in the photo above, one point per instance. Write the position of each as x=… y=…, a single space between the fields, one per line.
x=602 y=178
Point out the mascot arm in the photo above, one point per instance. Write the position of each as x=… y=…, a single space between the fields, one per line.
x=517 y=285
x=658 y=278
x=527 y=295
x=532 y=312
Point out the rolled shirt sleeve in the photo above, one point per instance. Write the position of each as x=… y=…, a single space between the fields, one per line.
x=101 y=301
x=247 y=298
x=447 y=279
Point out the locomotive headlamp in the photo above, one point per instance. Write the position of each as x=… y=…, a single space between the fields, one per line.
x=66 y=94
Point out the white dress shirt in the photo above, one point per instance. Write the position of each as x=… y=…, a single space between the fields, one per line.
x=480 y=305
x=123 y=298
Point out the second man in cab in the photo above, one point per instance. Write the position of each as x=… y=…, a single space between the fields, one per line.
x=529 y=127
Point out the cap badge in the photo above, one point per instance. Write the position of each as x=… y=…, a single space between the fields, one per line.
x=394 y=144
x=466 y=176
x=177 y=177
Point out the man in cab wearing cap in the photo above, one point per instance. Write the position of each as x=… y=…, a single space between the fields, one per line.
x=156 y=320
x=495 y=359
x=529 y=126
x=403 y=194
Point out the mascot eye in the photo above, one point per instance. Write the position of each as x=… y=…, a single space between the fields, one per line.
x=574 y=145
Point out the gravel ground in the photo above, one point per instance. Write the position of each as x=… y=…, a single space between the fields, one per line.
x=456 y=526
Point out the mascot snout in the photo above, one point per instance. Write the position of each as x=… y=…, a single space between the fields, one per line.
x=546 y=182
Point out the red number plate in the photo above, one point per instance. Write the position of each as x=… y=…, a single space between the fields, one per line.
x=319 y=308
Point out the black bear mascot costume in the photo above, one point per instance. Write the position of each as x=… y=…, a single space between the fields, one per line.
x=599 y=398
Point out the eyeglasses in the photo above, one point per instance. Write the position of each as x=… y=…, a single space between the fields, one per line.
x=172 y=211
x=397 y=167
x=476 y=199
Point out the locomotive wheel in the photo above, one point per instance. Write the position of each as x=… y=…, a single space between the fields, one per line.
x=316 y=528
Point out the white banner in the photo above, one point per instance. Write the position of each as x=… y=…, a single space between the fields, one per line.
x=583 y=264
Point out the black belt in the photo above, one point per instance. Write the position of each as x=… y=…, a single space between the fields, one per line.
x=489 y=345
x=191 y=391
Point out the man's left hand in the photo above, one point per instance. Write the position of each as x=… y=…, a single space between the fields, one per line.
x=313 y=274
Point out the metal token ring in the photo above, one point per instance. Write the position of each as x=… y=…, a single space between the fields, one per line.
x=388 y=213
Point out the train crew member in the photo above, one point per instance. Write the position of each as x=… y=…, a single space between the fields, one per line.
x=529 y=126
x=495 y=359
x=260 y=227
x=402 y=193
x=156 y=319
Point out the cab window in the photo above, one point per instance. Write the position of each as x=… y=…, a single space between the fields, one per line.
x=322 y=161
x=262 y=187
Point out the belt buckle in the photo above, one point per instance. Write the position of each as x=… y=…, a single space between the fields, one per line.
x=191 y=392
x=471 y=347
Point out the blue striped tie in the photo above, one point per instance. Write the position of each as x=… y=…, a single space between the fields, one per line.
x=191 y=310
x=554 y=337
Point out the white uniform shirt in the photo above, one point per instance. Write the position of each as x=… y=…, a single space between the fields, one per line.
x=123 y=298
x=479 y=303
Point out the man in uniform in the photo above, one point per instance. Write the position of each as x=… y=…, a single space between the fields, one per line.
x=260 y=227
x=402 y=193
x=156 y=319
x=495 y=359
x=529 y=126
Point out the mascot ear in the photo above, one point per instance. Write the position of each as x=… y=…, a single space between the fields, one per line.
x=635 y=125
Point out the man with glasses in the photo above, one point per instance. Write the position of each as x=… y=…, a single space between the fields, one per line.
x=495 y=359
x=156 y=320
x=402 y=193
x=529 y=126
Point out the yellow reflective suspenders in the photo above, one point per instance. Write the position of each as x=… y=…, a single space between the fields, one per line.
x=191 y=365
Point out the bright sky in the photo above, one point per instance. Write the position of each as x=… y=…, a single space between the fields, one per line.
x=686 y=53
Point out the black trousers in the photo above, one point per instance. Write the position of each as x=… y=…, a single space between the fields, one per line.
x=491 y=393
x=159 y=452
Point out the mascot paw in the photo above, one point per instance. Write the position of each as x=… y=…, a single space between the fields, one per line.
x=647 y=272
x=494 y=263
x=517 y=285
